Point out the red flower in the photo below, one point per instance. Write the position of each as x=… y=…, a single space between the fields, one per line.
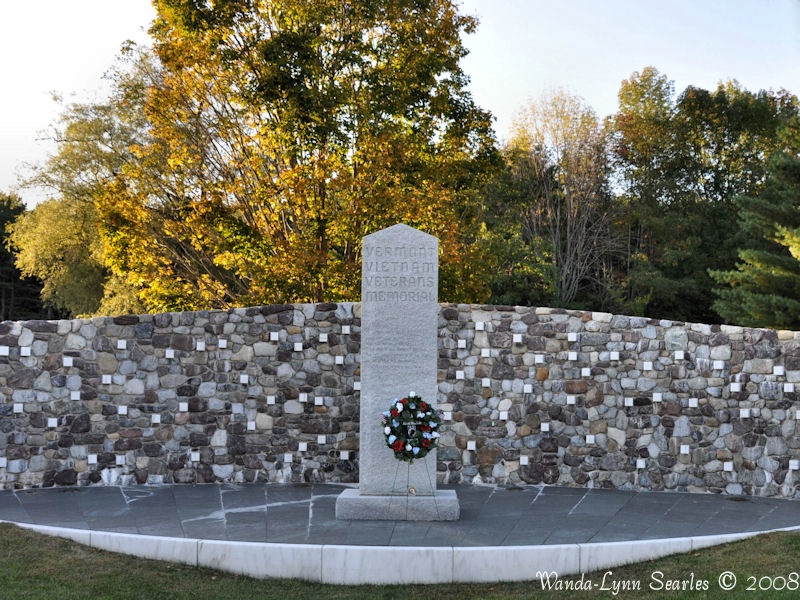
x=394 y=412
x=398 y=446
x=404 y=401
x=426 y=442
x=424 y=428
x=423 y=406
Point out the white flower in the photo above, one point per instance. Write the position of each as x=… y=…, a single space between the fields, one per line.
x=408 y=447
x=399 y=406
x=420 y=415
x=412 y=393
x=435 y=434
x=387 y=430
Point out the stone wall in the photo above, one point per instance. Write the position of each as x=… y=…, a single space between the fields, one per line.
x=530 y=395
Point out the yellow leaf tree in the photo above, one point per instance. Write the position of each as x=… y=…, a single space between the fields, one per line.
x=280 y=133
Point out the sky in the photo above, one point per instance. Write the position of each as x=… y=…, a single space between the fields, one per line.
x=521 y=50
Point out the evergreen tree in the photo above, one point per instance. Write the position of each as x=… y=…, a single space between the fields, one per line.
x=764 y=289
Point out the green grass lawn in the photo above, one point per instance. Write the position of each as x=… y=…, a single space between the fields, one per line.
x=34 y=566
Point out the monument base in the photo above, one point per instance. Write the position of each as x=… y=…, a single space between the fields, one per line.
x=442 y=506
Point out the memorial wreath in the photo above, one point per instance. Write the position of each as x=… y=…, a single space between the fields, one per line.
x=410 y=427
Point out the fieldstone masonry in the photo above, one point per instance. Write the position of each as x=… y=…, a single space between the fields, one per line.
x=533 y=395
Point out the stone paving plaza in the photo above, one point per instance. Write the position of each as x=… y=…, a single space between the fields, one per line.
x=286 y=530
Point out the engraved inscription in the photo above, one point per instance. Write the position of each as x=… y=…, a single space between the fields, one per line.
x=400 y=274
x=400 y=297
x=396 y=266
x=400 y=252
x=403 y=282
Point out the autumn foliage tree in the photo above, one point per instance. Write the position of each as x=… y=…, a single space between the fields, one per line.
x=57 y=241
x=279 y=134
x=19 y=294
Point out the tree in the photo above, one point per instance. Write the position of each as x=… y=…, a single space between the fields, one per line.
x=764 y=288
x=19 y=296
x=521 y=266
x=559 y=164
x=58 y=241
x=280 y=133
x=53 y=243
x=681 y=162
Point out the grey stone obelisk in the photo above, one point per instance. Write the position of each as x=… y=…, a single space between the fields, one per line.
x=399 y=321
